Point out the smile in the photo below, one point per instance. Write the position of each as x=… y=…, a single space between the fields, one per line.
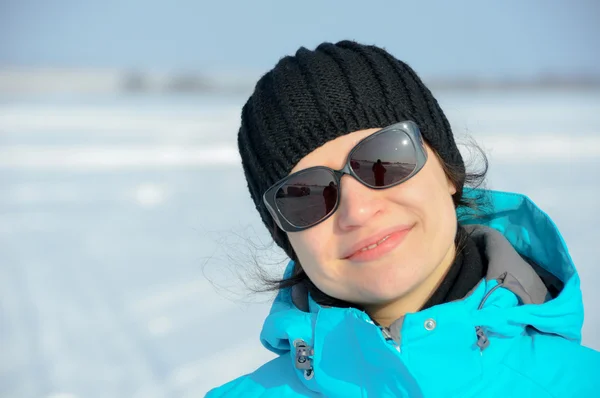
x=374 y=245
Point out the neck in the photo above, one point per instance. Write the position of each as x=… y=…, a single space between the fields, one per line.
x=385 y=314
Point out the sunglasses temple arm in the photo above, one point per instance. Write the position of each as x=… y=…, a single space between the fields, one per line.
x=272 y=211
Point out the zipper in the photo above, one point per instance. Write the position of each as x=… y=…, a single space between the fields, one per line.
x=385 y=332
x=388 y=338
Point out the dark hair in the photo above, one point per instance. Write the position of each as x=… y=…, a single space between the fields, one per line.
x=471 y=205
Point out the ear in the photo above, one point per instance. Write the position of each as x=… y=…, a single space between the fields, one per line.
x=451 y=187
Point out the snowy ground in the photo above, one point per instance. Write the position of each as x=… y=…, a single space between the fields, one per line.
x=113 y=212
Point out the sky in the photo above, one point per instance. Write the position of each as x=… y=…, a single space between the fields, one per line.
x=512 y=38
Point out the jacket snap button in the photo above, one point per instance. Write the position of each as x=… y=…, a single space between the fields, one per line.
x=430 y=324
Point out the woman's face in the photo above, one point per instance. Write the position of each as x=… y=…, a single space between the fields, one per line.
x=414 y=223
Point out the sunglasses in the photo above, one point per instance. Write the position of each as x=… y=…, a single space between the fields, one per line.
x=382 y=160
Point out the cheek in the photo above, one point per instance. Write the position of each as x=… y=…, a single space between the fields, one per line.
x=310 y=245
x=429 y=196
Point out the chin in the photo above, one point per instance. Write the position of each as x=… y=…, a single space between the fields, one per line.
x=387 y=287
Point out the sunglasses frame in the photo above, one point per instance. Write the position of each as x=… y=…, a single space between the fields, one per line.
x=409 y=127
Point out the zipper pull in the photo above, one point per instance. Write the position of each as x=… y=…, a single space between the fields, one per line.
x=482 y=340
x=304 y=354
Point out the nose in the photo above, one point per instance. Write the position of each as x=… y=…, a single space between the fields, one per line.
x=358 y=204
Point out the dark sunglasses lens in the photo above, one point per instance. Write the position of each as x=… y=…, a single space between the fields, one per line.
x=307 y=198
x=385 y=159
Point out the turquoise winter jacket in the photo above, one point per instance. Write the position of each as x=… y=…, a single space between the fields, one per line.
x=516 y=334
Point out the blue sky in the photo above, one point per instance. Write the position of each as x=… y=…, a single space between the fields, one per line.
x=438 y=38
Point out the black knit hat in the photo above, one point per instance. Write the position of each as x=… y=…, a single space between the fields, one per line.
x=316 y=96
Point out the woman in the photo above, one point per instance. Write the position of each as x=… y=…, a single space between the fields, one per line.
x=409 y=284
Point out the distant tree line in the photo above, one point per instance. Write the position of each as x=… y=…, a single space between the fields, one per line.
x=198 y=83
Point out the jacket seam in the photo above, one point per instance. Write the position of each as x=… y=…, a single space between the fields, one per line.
x=528 y=378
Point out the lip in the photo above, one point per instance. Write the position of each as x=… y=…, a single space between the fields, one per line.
x=398 y=232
